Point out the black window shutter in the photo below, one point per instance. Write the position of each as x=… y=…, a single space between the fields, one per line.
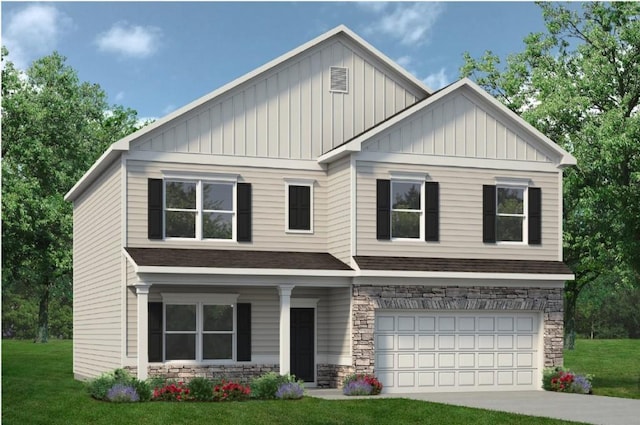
x=432 y=212
x=155 y=332
x=243 y=340
x=383 y=205
x=535 y=216
x=154 y=206
x=243 y=231
x=299 y=207
x=489 y=214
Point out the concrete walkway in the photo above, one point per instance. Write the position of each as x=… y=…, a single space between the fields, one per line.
x=572 y=407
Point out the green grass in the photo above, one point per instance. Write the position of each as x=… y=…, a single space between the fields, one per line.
x=615 y=364
x=38 y=388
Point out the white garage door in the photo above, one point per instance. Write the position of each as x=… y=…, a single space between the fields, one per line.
x=456 y=351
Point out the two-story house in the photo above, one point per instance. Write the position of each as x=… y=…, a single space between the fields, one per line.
x=325 y=214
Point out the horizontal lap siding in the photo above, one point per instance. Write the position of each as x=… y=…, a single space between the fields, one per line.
x=460 y=214
x=289 y=112
x=338 y=210
x=97 y=274
x=268 y=207
x=339 y=322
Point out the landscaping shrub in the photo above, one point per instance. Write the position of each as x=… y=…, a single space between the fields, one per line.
x=231 y=391
x=99 y=387
x=290 y=391
x=265 y=387
x=360 y=384
x=201 y=389
x=122 y=394
x=563 y=380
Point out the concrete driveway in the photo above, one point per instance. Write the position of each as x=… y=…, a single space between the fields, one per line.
x=572 y=407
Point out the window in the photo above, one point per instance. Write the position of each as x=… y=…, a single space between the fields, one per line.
x=510 y=214
x=299 y=210
x=406 y=210
x=199 y=328
x=199 y=209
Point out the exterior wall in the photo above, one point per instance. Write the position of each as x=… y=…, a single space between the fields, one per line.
x=97 y=275
x=288 y=111
x=367 y=299
x=331 y=376
x=458 y=126
x=460 y=214
x=268 y=207
x=132 y=320
x=338 y=210
x=238 y=373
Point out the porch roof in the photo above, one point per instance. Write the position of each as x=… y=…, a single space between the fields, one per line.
x=464 y=265
x=240 y=259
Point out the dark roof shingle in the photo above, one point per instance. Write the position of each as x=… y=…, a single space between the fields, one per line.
x=226 y=258
x=466 y=265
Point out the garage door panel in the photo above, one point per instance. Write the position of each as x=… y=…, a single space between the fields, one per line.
x=446 y=351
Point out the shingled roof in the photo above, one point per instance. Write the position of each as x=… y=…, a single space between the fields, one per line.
x=227 y=258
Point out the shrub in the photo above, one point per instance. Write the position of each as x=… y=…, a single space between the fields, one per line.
x=231 y=391
x=99 y=387
x=201 y=389
x=265 y=387
x=563 y=380
x=290 y=391
x=361 y=384
x=171 y=391
x=122 y=394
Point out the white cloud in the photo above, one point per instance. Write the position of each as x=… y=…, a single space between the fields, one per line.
x=404 y=61
x=168 y=109
x=119 y=96
x=437 y=80
x=373 y=6
x=33 y=32
x=410 y=23
x=130 y=40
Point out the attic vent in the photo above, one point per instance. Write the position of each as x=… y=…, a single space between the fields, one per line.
x=339 y=78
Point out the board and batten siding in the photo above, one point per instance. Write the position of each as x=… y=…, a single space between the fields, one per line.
x=289 y=111
x=339 y=210
x=460 y=214
x=97 y=277
x=268 y=207
x=459 y=126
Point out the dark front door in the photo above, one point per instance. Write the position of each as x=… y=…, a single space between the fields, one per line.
x=302 y=343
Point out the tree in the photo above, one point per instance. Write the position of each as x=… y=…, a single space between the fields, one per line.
x=579 y=83
x=53 y=128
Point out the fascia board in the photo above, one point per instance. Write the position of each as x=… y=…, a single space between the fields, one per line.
x=465 y=275
x=244 y=272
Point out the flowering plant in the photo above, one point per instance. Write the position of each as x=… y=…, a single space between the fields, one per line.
x=231 y=391
x=121 y=393
x=361 y=384
x=290 y=391
x=563 y=380
x=171 y=392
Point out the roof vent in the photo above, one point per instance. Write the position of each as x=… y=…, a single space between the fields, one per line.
x=339 y=78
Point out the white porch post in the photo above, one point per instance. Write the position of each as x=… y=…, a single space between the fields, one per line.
x=142 y=292
x=285 y=328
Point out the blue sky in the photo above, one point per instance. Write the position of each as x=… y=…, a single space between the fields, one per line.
x=155 y=57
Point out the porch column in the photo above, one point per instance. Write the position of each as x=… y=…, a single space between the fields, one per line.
x=142 y=293
x=285 y=328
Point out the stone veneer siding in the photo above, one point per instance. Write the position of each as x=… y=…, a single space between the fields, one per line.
x=368 y=298
x=331 y=375
x=239 y=373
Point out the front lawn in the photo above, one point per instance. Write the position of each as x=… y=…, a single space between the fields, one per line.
x=38 y=388
x=615 y=364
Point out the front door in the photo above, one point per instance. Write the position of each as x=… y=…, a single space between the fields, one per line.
x=303 y=343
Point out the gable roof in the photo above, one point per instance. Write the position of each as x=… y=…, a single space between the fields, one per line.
x=124 y=144
x=355 y=143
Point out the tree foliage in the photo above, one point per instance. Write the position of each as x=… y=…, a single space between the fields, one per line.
x=579 y=83
x=53 y=128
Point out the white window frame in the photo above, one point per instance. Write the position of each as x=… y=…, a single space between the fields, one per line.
x=525 y=211
x=199 y=210
x=200 y=300
x=298 y=182
x=421 y=182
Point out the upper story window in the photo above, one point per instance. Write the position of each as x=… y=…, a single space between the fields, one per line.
x=299 y=206
x=198 y=209
x=407 y=205
x=510 y=214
